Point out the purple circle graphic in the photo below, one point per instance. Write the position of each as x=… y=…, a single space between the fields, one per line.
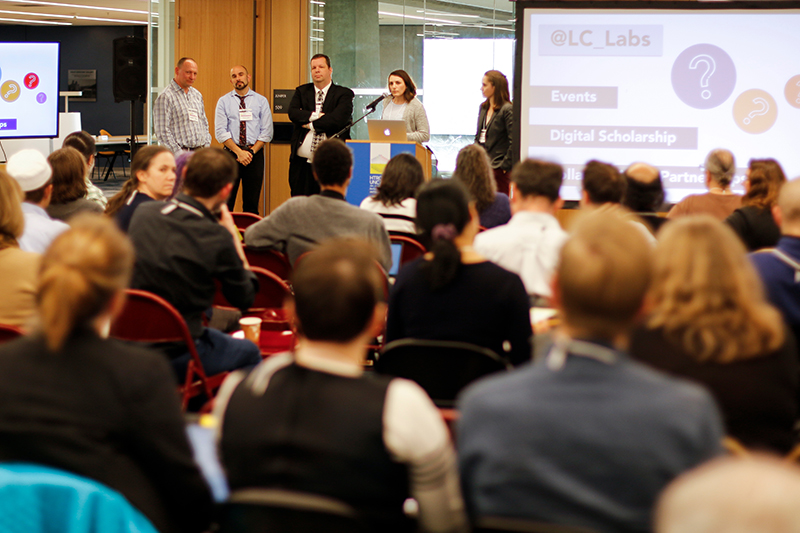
x=41 y=98
x=703 y=76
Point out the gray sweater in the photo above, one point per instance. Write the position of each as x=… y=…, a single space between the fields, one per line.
x=416 y=119
x=303 y=222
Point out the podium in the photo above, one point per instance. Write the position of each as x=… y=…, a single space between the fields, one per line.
x=369 y=160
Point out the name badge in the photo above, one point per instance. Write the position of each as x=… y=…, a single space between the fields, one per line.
x=245 y=114
x=193 y=116
x=482 y=138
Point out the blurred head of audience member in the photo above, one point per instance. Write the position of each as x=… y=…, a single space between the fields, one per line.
x=209 y=177
x=152 y=174
x=33 y=174
x=764 y=180
x=536 y=181
x=720 y=167
x=339 y=294
x=180 y=172
x=757 y=494
x=333 y=165
x=400 y=180
x=448 y=222
x=82 y=279
x=474 y=170
x=12 y=221
x=707 y=296
x=69 y=175
x=84 y=143
x=602 y=184
x=787 y=209
x=644 y=192
x=601 y=281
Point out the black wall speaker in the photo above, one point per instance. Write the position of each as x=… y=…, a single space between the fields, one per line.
x=130 y=69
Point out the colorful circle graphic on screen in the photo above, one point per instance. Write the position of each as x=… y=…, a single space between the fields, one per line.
x=755 y=111
x=792 y=91
x=9 y=91
x=703 y=76
x=41 y=98
x=31 y=80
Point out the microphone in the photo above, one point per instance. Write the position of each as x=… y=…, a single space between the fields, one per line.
x=377 y=101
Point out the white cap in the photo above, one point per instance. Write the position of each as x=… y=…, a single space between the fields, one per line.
x=30 y=169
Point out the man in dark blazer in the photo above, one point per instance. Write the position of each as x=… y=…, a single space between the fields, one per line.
x=318 y=111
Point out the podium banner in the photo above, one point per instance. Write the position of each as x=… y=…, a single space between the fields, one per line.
x=369 y=161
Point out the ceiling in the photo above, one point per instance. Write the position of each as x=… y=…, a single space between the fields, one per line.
x=74 y=12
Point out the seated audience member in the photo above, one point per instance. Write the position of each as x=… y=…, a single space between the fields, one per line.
x=394 y=200
x=474 y=170
x=753 y=221
x=779 y=266
x=719 y=201
x=529 y=244
x=710 y=323
x=586 y=436
x=69 y=185
x=731 y=495
x=84 y=143
x=301 y=223
x=644 y=194
x=604 y=187
x=72 y=399
x=152 y=178
x=311 y=421
x=453 y=293
x=184 y=245
x=19 y=270
x=180 y=172
x=33 y=173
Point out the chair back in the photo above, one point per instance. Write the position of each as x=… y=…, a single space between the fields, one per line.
x=244 y=220
x=283 y=511
x=498 y=524
x=40 y=499
x=148 y=318
x=442 y=368
x=9 y=333
x=411 y=248
x=272 y=291
x=271 y=260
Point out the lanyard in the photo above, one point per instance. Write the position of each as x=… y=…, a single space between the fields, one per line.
x=557 y=356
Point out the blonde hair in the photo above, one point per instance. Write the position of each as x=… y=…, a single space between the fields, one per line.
x=707 y=296
x=12 y=221
x=603 y=274
x=81 y=271
x=474 y=170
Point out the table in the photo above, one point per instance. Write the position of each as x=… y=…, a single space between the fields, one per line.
x=117 y=144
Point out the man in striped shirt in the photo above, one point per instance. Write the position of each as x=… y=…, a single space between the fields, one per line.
x=179 y=114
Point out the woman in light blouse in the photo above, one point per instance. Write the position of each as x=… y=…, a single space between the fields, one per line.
x=404 y=105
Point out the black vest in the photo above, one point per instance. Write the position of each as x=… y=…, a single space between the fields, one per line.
x=320 y=433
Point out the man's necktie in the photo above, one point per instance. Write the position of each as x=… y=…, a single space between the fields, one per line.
x=242 y=124
x=318 y=136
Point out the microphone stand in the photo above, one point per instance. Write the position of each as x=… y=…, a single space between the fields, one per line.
x=369 y=112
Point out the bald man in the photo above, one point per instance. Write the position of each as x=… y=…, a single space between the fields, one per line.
x=779 y=267
x=243 y=125
x=645 y=193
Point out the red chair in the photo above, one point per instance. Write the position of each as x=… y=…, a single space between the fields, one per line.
x=244 y=220
x=9 y=333
x=151 y=319
x=272 y=260
x=411 y=248
x=276 y=331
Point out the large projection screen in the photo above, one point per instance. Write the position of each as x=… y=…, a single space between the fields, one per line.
x=28 y=90
x=663 y=83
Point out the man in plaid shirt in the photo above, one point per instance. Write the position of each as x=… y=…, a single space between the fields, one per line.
x=179 y=114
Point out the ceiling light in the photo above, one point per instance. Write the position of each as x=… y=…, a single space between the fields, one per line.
x=386 y=13
x=28 y=21
x=124 y=21
x=77 y=6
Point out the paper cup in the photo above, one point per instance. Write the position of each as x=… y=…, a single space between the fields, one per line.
x=251 y=325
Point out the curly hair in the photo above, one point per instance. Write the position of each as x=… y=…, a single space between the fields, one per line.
x=766 y=177
x=474 y=170
x=707 y=296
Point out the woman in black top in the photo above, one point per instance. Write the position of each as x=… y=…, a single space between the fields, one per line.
x=453 y=293
x=495 y=124
x=74 y=400
x=711 y=323
x=753 y=221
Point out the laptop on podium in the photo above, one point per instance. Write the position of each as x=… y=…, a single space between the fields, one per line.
x=387 y=130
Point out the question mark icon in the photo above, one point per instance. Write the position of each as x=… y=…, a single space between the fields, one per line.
x=711 y=66
x=757 y=112
x=798 y=94
x=31 y=80
x=9 y=91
